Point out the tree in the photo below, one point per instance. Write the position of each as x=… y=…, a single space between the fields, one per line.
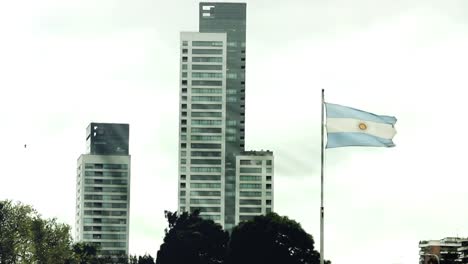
x=84 y=253
x=271 y=239
x=146 y=259
x=191 y=239
x=27 y=238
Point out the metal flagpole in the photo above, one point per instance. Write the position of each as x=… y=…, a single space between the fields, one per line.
x=321 y=182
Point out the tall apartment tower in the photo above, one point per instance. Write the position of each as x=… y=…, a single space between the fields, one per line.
x=212 y=111
x=103 y=189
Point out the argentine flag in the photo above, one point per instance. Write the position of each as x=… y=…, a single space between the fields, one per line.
x=347 y=126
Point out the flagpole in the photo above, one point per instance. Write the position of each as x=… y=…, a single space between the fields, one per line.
x=321 y=181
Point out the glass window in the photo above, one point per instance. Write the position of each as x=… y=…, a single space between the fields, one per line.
x=206 y=114
x=268 y=210
x=207 y=98
x=202 y=75
x=232 y=75
x=268 y=186
x=207 y=83
x=205 y=169
x=206 y=106
x=206 y=209
x=205 y=201
x=250 y=210
x=205 y=193
x=184 y=66
x=205 y=177
x=268 y=202
x=205 y=122
x=184 y=59
x=207 y=59
x=182 y=200
x=207 y=51
x=268 y=162
x=205 y=130
x=207 y=43
x=184 y=75
x=205 y=185
x=250 y=178
x=207 y=90
x=184 y=51
x=268 y=178
x=250 y=170
x=231 y=122
x=268 y=170
x=250 y=202
x=250 y=194
x=184 y=43
x=207 y=67
x=205 y=153
x=205 y=146
x=250 y=186
x=231 y=91
x=183 y=161
x=268 y=194
x=205 y=161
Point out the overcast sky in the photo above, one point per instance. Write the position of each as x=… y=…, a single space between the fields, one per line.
x=64 y=64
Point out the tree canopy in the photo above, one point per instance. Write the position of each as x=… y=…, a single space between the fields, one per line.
x=191 y=239
x=271 y=239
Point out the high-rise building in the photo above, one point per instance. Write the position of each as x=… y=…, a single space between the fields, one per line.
x=212 y=112
x=103 y=189
x=444 y=250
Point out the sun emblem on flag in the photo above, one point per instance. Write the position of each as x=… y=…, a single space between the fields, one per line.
x=362 y=126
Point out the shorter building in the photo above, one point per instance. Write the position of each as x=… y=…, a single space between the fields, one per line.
x=103 y=189
x=445 y=250
x=254 y=184
x=463 y=252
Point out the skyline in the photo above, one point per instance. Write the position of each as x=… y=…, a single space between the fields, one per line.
x=384 y=59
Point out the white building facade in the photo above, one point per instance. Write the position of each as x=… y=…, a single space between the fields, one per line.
x=202 y=124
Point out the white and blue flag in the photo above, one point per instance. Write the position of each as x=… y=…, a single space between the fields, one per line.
x=347 y=126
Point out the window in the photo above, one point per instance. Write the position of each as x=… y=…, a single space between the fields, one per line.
x=268 y=194
x=268 y=186
x=268 y=210
x=183 y=153
x=207 y=43
x=207 y=98
x=184 y=66
x=268 y=170
x=250 y=186
x=184 y=106
x=205 y=201
x=184 y=98
x=206 y=114
x=182 y=185
x=183 y=145
x=205 y=193
x=268 y=162
x=205 y=130
x=184 y=90
x=246 y=217
x=184 y=82
x=206 y=209
x=231 y=122
x=207 y=67
x=183 y=169
x=182 y=200
x=250 y=210
x=231 y=91
x=206 y=153
x=206 y=106
x=250 y=202
x=207 y=59
x=268 y=178
x=205 y=161
x=182 y=193
x=183 y=137
x=184 y=114
x=184 y=43
x=268 y=202
x=206 y=138
x=231 y=99
x=204 y=122
x=202 y=75
x=207 y=83
x=184 y=75
x=250 y=178
x=205 y=169
x=183 y=177
x=250 y=194
x=205 y=177
x=206 y=90
x=205 y=146
x=207 y=51
x=231 y=75
x=250 y=170
x=183 y=130
x=205 y=185
x=183 y=161
x=184 y=59
x=211 y=217
x=184 y=51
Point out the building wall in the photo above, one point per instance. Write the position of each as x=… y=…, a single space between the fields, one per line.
x=202 y=124
x=254 y=185
x=230 y=18
x=103 y=202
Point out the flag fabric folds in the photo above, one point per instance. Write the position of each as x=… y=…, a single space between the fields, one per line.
x=347 y=126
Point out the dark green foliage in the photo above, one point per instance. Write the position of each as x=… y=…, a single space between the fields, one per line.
x=271 y=239
x=191 y=239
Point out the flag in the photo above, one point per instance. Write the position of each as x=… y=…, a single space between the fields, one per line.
x=347 y=126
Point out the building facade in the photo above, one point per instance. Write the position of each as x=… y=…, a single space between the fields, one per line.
x=103 y=189
x=254 y=184
x=212 y=112
x=202 y=124
x=445 y=250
